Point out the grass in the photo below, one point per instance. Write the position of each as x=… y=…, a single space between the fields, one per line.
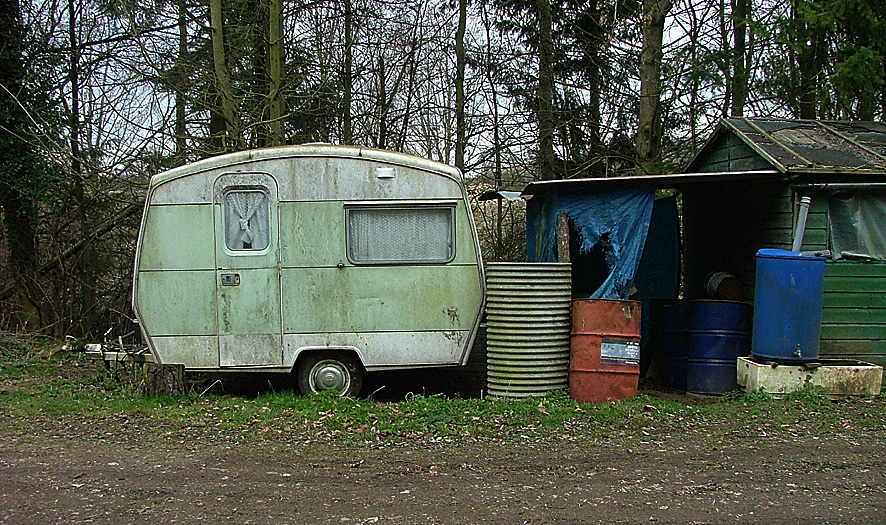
x=34 y=386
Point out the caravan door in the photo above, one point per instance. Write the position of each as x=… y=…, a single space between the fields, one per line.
x=247 y=270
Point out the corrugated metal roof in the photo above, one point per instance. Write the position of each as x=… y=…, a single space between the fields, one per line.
x=810 y=146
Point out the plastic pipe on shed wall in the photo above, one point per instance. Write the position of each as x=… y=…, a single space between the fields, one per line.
x=805 y=202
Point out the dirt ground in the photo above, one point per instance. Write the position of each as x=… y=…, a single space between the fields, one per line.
x=128 y=470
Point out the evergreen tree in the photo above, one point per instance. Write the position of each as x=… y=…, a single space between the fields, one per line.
x=584 y=76
x=25 y=177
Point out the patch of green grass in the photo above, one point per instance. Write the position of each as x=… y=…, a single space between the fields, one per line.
x=870 y=422
x=35 y=386
x=810 y=396
x=740 y=397
x=22 y=367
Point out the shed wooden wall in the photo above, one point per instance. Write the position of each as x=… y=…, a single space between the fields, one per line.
x=727 y=152
x=724 y=224
x=853 y=319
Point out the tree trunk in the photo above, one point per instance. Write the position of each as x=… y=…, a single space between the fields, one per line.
x=347 y=134
x=741 y=58
x=223 y=77
x=164 y=380
x=84 y=267
x=180 y=128
x=545 y=92
x=694 y=81
x=382 y=141
x=808 y=40
x=649 y=128
x=723 y=64
x=490 y=66
x=595 y=86
x=275 y=71
x=19 y=210
x=410 y=67
x=460 y=128
x=597 y=169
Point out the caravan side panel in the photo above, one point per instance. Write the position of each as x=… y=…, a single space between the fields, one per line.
x=392 y=313
x=175 y=291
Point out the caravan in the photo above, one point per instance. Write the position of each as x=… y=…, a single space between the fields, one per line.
x=326 y=261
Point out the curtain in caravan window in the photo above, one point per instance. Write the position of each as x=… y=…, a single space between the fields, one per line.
x=247 y=224
x=392 y=235
x=857 y=222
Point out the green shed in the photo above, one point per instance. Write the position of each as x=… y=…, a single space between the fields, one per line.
x=763 y=174
x=748 y=188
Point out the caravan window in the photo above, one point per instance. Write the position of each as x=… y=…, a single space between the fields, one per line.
x=247 y=223
x=390 y=235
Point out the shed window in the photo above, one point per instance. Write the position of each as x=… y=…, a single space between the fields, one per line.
x=247 y=223
x=389 y=235
x=858 y=225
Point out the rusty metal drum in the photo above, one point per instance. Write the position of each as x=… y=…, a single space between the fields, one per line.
x=605 y=354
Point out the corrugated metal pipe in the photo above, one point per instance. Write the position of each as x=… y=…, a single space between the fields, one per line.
x=805 y=202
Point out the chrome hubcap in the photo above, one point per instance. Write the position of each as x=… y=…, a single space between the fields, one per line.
x=330 y=375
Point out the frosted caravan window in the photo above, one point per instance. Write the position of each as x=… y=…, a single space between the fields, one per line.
x=247 y=223
x=389 y=235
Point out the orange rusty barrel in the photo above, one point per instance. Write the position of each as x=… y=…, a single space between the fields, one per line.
x=604 y=362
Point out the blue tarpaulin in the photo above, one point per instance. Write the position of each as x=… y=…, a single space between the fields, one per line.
x=614 y=221
x=658 y=275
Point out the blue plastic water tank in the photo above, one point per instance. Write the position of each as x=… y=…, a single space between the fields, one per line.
x=787 y=306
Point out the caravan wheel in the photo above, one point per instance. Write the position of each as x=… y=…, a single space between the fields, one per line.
x=341 y=372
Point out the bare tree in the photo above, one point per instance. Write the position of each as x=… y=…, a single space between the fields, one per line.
x=650 y=127
x=460 y=64
x=741 y=58
x=223 y=77
x=275 y=71
x=545 y=91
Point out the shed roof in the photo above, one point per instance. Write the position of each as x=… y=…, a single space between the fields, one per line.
x=791 y=147
x=675 y=180
x=807 y=146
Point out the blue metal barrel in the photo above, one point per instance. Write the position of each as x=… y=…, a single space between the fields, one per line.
x=672 y=325
x=787 y=306
x=718 y=336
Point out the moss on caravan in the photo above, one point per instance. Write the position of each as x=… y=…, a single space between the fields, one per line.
x=323 y=260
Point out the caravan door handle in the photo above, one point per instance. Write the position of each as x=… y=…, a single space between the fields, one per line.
x=230 y=279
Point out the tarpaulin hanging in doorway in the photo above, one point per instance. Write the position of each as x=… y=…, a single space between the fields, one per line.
x=609 y=225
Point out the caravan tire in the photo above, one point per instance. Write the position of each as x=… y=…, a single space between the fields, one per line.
x=338 y=371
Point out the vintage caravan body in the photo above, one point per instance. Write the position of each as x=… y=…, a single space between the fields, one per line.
x=323 y=260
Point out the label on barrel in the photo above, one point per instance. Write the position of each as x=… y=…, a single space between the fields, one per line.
x=626 y=352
